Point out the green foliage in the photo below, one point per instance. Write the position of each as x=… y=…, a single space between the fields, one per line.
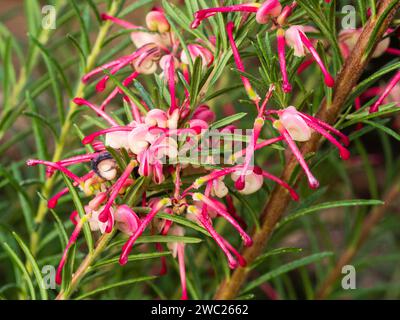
x=41 y=72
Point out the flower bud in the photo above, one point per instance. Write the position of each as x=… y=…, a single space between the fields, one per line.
x=195 y=51
x=156 y=21
x=204 y=113
x=156 y=117
x=126 y=220
x=295 y=125
x=269 y=9
x=252 y=182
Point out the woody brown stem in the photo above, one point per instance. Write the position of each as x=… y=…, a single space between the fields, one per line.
x=279 y=198
x=370 y=222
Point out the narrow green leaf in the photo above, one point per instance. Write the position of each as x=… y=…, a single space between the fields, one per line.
x=260 y=259
x=195 y=81
x=76 y=44
x=7 y=71
x=365 y=115
x=26 y=203
x=39 y=135
x=68 y=269
x=362 y=11
x=133 y=193
x=43 y=121
x=35 y=268
x=83 y=28
x=32 y=14
x=385 y=129
x=132 y=257
x=327 y=205
x=144 y=94
x=159 y=239
x=228 y=120
x=286 y=268
x=95 y=10
x=115 y=285
x=182 y=20
x=126 y=91
x=245 y=203
x=183 y=221
x=19 y=264
x=54 y=62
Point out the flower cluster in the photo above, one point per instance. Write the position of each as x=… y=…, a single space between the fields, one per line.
x=294 y=36
x=149 y=146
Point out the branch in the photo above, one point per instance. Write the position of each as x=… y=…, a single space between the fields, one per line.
x=373 y=218
x=279 y=198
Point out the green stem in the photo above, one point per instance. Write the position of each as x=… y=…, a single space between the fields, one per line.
x=85 y=266
x=66 y=127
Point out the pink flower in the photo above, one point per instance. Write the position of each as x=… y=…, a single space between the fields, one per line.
x=94 y=223
x=219 y=188
x=126 y=219
x=196 y=50
x=264 y=11
x=392 y=84
x=349 y=37
x=139 y=138
x=253 y=182
x=140 y=38
x=150 y=158
x=214 y=204
x=280 y=36
x=178 y=250
x=296 y=38
x=160 y=204
x=146 y=61
x=204 y=113
x=156 y=117
x=297 y=126
x=239 y=64
x=198 y=125
x=268 y=9
x=117 y=140
x=106 y=214
x=161 y=119
x=200 y=216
